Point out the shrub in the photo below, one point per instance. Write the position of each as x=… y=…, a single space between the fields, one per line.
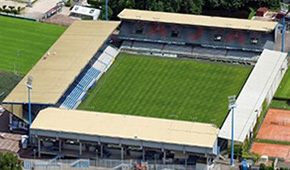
x=9 y=161
x=6 y=10
x=11 y=7
x=67 y=4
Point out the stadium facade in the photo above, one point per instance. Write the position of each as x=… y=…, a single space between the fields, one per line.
x=84 y=53
x=203 y=37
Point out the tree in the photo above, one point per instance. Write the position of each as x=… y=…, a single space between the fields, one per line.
x=9 y=162
x=265 y=167
x=191 y=6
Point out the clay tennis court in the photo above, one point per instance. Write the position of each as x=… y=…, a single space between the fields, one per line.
x=276 y=126
x=272 y=150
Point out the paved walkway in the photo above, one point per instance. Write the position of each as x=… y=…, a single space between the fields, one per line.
x=39 y=8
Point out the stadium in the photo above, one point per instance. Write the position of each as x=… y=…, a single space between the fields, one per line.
x=153 y=86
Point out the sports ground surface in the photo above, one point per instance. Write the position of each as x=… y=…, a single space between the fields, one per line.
x=24 y=42
x=276 y=126
x=7 y=82
x=282 y=95
x=273 y=150
x=284 y=88
x=167 y=88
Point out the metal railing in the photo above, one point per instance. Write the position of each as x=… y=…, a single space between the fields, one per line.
x=85 y=164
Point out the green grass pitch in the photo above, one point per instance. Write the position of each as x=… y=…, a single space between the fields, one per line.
x=179 y=89
x=283 y=90
x=22 y=43
x=7 y=82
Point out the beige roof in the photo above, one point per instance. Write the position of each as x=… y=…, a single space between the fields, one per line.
x=127 y=127
x=198 y=20
x=58 y=68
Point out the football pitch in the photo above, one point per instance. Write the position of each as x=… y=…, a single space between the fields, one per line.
x=283 y=90
x=7 y=82
x=22 y=43
x=179 y=89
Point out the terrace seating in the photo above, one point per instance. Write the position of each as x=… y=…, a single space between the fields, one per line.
x=68 y=103
x=147 y=46
x=179 y=49
x=88 y=77
x=209 y=51
x=170 y=33
x=242 y=54
x=127 y=44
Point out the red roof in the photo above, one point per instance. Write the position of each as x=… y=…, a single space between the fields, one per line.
x=261 y=11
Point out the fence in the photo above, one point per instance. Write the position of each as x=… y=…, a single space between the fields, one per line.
x=85 y=164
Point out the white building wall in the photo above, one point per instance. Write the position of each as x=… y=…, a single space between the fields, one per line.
x=261 y=84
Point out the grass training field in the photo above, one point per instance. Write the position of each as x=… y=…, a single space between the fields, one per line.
x=167 y=88
x=7 y=82
x=22 y=43
x=284 y=88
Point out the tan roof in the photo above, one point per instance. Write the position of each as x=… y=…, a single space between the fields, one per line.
x=198 y=20
x=127 y=127
x=58 y=68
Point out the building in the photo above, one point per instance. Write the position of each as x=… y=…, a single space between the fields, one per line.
x=92 y=135
x=257 y=92
x=84 y=53
x=215 y=35
x=262 y=11
x=68 y=69
x=85 y=13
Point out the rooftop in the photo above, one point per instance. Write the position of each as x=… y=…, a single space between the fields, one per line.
x=85 y=10
x=63 y=62
x=262 y=80
x=197 y=20
x=126 y=127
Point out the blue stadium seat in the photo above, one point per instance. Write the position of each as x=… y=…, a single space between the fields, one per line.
x=82 y=85
x=69 y=103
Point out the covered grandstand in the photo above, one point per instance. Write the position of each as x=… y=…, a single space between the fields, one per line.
x=258 y=90
x=95 y=132
x=68 y=69
x=195 y=36
x=78 y=59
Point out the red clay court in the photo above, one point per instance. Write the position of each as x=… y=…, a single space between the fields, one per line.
x=276 y=126
x=272 y=150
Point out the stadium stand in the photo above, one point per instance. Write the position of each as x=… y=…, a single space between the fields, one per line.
x=67 y=70
x=88 y=78
x=97 y=129
x=209 y=51
x=259 y=89
x=242 y=54
x=194 y=35
x=178 y=49
x=232 y=39
x=147 y=46
x=191 y=51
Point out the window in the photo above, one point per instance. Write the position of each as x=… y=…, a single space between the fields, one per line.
x=254 y=40
x=139 y=30
x=217 y=37
x=174 y=33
